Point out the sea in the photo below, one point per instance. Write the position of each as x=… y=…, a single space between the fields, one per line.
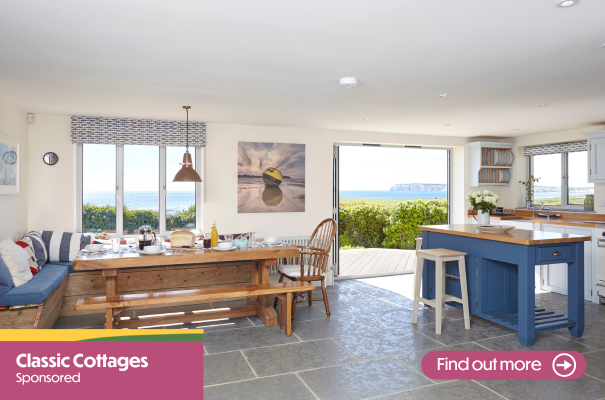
x=175 y=201
x=388 y=194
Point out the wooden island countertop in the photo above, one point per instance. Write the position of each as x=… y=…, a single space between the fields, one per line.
x=517 y=236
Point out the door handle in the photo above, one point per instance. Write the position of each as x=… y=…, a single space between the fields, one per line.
x=556 y=253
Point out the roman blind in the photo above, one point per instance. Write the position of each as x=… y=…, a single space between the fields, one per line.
x=148 y=132
x=556 y=148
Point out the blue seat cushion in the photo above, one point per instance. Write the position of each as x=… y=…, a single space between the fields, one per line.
x=38 y=289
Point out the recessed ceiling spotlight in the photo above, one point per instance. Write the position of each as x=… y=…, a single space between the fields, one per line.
x=567 y=3
x=447 y=125
x=444 y=95
x=367 y=119
x=542 y=105
x=516 y=129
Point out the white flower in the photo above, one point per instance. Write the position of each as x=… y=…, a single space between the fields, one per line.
x=473 y=194
x=478 y=199
x=486 y=192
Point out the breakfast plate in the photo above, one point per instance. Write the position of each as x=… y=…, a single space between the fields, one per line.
x=219 y=249
x=494 y=228
x=152 y=254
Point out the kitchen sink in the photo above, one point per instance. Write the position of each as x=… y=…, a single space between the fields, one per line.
x=592 y=222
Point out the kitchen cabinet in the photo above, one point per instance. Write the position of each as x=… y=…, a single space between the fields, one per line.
x=554 y=276
x=490 y=163
x=596 y=156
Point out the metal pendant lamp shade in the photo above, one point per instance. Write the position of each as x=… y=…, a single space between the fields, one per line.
x=187 y=173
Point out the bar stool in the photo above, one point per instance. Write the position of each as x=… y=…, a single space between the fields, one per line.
x=440 y=256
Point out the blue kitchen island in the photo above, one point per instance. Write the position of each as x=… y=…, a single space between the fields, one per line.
x=500 y=271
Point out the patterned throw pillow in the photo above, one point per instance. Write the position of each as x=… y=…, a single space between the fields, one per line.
x=34 y=265
x=63 y=246
x=38 y=246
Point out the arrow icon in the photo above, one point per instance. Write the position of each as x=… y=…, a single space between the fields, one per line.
x=565 y=365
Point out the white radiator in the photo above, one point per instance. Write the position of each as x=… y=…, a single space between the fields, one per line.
x=295 y=241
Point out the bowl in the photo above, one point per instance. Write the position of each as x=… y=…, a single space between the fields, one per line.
x=94 y=247
x=225 y=245
x=152 y=249
x=271 y=239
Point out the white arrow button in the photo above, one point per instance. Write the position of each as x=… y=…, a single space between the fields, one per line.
x=565 y=365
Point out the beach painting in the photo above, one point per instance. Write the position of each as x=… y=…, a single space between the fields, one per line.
x=270 y=177
x=9 y=165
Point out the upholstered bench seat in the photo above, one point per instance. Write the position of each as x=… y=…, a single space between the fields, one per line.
x=38 y=289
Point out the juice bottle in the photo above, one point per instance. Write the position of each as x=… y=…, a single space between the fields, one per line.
x=214 y=234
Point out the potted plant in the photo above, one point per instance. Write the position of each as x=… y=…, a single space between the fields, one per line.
x=483 y=202
x=529 y=189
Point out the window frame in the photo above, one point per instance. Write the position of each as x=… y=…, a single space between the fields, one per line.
x=564 y=183
x=119 y=190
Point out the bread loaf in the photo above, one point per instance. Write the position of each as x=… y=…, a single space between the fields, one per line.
x=182 y=239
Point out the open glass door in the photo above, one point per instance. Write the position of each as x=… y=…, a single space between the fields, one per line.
x=376 y=190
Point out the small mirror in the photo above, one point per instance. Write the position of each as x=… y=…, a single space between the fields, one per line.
x=50 y=158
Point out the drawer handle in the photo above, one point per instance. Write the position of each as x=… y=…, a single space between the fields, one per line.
x=556 y=253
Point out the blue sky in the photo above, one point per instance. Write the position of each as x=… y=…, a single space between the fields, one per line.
x=379 y=168
x=141 y=166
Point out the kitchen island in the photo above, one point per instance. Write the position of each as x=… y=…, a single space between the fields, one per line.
x=500 y=275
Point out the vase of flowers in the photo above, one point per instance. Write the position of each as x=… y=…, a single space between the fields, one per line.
x=482 y=202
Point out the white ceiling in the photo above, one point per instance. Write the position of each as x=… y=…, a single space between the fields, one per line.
x=278 y=62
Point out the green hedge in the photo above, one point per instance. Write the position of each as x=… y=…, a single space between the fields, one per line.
x=391 y=226
x=103 y=218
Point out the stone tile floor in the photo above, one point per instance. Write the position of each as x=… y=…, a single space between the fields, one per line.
x=370 y=349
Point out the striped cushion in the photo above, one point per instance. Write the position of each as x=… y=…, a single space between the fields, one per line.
x=39 y=247
x=34 y=265
x=63 y=246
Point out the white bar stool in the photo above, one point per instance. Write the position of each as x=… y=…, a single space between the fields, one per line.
x=440 y=256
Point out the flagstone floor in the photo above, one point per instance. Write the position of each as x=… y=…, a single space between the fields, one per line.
x=369 y=349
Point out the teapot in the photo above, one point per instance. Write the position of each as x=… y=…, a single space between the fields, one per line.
x=146 y=236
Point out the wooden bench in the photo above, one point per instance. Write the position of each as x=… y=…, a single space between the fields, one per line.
x=114 y=306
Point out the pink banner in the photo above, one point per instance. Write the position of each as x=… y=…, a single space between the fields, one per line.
x=503 y=365
x=101 y=370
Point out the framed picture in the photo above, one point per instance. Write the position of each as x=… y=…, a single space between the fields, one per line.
x=9 y=165
x=270 y=177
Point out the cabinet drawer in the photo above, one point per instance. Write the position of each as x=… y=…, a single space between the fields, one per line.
x=555 y=253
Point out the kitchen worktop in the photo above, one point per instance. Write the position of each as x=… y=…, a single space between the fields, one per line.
x=587 y=220
x=517 y=236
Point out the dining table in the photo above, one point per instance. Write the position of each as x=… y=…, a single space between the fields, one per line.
x=261 y=258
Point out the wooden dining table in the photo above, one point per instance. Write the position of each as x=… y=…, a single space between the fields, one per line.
x=262 y=258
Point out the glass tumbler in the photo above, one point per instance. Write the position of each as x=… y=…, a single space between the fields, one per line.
x=115 y=245
x=207 y=240
x=252 y=239
x=228 y=238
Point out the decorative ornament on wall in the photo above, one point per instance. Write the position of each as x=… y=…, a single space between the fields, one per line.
x=270 y=177
x=50 y=158
x=9 y=165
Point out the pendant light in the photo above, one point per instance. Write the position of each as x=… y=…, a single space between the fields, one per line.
x=187 y=173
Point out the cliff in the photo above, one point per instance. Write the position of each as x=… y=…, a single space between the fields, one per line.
x=418 y=187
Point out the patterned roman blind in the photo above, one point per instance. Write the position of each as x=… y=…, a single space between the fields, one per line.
x=557 y=148
x=147 y=132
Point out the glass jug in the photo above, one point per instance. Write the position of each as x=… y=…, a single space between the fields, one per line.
x=146 y=236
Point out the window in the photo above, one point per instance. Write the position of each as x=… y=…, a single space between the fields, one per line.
x=141 y=188
x=124 y=187
x=99 y=188
x=180 y=196
x=563 y=179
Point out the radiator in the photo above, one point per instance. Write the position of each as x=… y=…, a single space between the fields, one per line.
x=295 y=241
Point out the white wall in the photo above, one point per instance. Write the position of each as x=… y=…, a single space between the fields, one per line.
x=56 y=209
x=52 y=195
x=221 y=174
x=13 y=207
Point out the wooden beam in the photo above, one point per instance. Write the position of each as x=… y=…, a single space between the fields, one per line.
x=167 y=298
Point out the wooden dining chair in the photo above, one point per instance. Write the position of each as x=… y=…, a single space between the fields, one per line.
x=313 y=262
